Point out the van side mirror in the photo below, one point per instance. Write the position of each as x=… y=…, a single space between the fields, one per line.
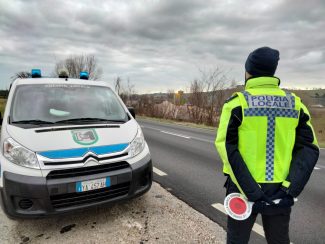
x=132 y=111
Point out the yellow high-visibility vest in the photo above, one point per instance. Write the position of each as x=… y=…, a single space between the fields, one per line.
x=267 y=132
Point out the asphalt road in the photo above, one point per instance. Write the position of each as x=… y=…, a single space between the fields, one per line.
x=187 y=164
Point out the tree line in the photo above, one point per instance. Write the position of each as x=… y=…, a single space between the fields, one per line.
x=73 y=65
x=201 y=104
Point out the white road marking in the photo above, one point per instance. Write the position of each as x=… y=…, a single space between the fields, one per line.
x=159 y=172
x=179 y=125
x=203 y=140
x=256 y=228
x=173 y=134
x=320 y=166
x=220 y=207
x=316 y=168
x=184 y=136
x=149 y=127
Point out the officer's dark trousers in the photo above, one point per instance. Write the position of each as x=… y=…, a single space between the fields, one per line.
x=276 y=228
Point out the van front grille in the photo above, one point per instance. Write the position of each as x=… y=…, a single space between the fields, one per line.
x=91 y=170
x=84 y=160
x=82 y=198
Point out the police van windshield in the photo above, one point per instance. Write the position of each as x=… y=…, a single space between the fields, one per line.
x=75 y=104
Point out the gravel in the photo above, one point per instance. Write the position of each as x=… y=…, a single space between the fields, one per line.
x=156 y=217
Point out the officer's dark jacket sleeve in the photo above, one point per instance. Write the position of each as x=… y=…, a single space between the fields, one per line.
x=227 y=146
x=305 y=154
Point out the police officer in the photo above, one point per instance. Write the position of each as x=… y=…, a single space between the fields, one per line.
x=268 y=148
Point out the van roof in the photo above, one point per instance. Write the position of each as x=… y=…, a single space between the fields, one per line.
x=29 y=81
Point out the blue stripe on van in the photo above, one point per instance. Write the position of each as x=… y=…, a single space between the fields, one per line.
x=80 y=152
x=108 y=149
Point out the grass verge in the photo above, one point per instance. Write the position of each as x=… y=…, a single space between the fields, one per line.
x=170 y=121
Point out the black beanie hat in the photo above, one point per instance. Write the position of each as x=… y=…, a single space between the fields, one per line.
x=262 y=62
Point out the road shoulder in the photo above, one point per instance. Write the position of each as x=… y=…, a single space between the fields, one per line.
x=157 y=217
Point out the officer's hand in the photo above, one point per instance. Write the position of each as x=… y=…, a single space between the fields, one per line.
x=286 y=202
x=266 y=199
x=258 y=207
x=261 y=204
x=281 y=193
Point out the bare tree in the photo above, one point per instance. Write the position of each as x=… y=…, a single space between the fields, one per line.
x=170 y=95
x=145 y=106
x=130 y=91
x=21 y=75
x=77 y=63
x=171 y=110
x=207 y=95
x=196 y=101
x=215 y=82
x=118 y=85
x=127 y=92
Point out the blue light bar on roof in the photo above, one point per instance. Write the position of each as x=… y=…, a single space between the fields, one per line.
x=36 y=73
x=84 y=75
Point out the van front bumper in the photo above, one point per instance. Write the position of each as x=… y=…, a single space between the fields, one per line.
x=29 y=197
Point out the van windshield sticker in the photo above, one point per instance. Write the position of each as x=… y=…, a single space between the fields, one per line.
x=56 y=112
x=85 y=137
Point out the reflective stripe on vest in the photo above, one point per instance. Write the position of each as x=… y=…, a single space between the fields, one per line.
x=271 y=107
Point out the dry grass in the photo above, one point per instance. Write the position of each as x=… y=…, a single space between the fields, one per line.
x=318 y=121
x=319 y=127
x=2 y=105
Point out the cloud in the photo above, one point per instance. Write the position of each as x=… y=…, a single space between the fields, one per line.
x=160 y=44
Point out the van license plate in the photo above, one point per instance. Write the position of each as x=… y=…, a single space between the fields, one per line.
x=89 y=185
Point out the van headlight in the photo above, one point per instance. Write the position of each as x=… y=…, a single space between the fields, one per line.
x=137 y=145
x=20 y=155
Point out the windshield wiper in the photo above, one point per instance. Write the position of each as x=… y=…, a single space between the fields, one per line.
x=32 y=121
x=88 y=120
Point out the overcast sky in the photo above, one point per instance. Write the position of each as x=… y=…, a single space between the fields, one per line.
x=161 y=44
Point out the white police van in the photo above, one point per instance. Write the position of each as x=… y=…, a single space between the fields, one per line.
x=69 y=144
